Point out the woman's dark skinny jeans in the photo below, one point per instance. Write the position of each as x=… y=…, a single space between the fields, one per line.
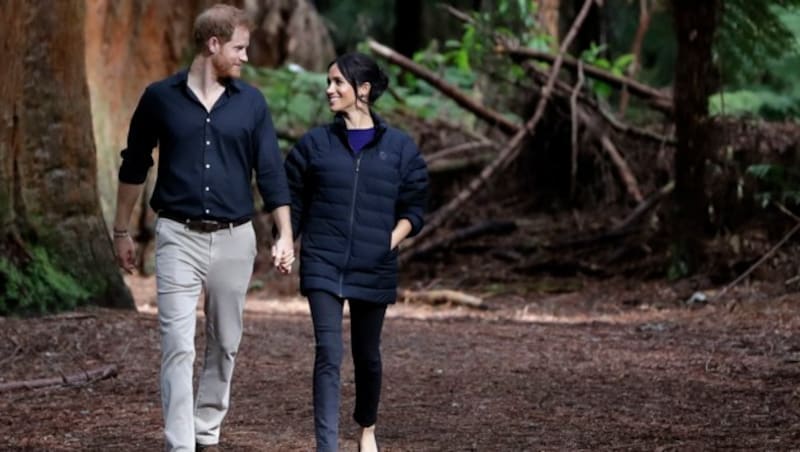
x=366 y=322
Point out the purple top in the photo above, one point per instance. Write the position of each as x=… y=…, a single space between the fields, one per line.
x=358 y=138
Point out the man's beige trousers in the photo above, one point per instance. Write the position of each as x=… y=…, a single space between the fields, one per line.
x=220 y=265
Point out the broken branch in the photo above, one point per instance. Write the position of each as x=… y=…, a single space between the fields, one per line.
x=88 y=376
x=655 y=98
x=763 y=258
x=443 y=296
x=494 y=118
x=512 y=148
x=624 y=170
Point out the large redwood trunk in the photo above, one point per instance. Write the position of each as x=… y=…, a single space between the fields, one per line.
x=53 y=240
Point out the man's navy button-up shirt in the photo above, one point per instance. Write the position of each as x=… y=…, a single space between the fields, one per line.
x=206 y=158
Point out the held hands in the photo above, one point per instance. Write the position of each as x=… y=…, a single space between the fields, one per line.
x=125 y=251
x=283 y=255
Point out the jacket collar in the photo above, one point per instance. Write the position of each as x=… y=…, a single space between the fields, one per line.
x=340 y=128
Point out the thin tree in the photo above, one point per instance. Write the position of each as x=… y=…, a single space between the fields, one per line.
x=695 y=80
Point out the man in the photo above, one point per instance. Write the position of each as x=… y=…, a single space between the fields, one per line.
x=213 y=131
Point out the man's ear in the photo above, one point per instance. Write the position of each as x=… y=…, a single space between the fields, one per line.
x=213 y=45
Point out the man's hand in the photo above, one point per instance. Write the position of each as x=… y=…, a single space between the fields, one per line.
x=283 y=254
x=125 y=251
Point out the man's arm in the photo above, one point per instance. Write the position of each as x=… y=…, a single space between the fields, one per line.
x=283 y=248
x=127 y=194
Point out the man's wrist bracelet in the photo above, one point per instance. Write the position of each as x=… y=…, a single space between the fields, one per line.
x=120 y=234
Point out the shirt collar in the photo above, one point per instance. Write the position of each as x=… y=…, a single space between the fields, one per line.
x=181 y=78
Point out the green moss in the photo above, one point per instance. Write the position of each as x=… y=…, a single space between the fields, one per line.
x=39 y=286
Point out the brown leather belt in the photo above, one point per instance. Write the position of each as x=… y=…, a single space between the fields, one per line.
x=203 y=225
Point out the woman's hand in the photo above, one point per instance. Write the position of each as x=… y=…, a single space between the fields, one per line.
x=399 y=233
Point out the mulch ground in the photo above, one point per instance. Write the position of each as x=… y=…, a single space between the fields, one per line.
x=610 y=366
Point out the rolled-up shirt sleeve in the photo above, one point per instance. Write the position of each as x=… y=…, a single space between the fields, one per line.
x=137 y=157
x=413 y=188
x=270 y=175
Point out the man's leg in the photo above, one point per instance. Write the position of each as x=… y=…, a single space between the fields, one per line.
x=233 y=252
x=180 y=269
x=326 y=314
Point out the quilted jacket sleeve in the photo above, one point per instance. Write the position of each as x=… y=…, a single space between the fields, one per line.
x=413 y=188
x=296 y=166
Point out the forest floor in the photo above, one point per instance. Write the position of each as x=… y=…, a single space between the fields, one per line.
x=610 y=364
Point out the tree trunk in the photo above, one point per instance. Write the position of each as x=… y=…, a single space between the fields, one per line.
x=129 y=44
x=288 y=31
x=549 y=18
x=54 y=246
x=695 y=23
x=407 y=26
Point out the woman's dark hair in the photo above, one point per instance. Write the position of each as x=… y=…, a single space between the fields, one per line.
x=358 y=68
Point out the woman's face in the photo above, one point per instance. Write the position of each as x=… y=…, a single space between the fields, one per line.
x=341 y=95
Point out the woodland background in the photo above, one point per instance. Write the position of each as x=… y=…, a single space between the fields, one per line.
x=610 y=259
x=663 y=146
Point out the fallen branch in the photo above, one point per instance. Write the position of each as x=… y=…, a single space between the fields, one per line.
x=457 y=149
x=624 y=170
x=610 y=119
x=443 y=296
x=458 y=164
x=457 y=13
x=70 y=316
x=654 y=97
x=88 y=376
x=645 y=206
x=615 y=123
x=451 y=91
x=657 y=99
x=763 y=258
x=642 y=133
x=471 y=232
x=512 y=148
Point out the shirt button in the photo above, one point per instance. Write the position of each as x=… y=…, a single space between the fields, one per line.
x=208 y=211
x=208 y=143
x=208 y=188
x=208 y=165
x=208 y=119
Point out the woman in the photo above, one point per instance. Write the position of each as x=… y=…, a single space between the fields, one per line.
x=358 y=189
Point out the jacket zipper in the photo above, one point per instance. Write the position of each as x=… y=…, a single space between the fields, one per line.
x=350 y=230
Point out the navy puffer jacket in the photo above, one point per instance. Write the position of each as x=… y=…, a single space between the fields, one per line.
x=345 y=206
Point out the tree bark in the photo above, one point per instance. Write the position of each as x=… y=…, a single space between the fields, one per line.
x=695 y=23
x=549 y=17
x=48 y=198
x=287 y=31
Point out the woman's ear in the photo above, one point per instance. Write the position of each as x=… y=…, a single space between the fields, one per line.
x=363 y=90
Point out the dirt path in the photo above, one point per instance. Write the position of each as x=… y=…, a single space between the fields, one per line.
x=597 y=369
